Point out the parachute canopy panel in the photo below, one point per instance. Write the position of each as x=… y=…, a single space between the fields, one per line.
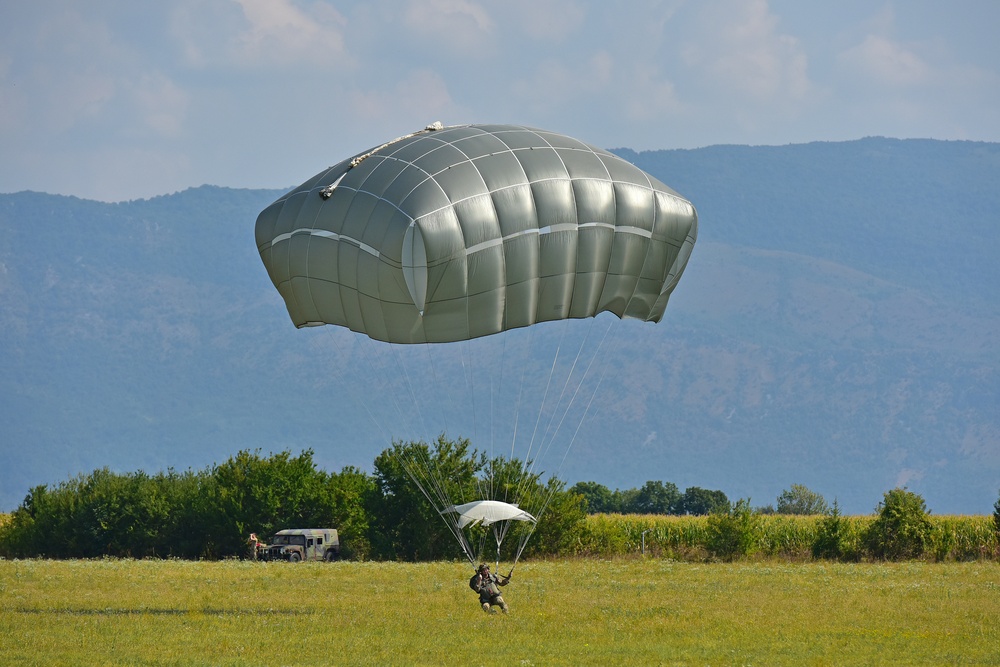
x=487 y=512
x=459 y=232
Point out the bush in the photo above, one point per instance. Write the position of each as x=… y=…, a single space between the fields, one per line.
x=734 y=533
x=996 y=518
x=828 y=536
x=902 y=528
x=832 y=537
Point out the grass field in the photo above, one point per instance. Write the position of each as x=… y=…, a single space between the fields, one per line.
x=630 y=611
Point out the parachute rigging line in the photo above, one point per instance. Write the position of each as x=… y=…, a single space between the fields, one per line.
x=399 y=254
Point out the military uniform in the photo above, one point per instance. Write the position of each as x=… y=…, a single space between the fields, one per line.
x=488 y=586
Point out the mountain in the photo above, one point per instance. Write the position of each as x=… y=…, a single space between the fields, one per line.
x=838 y=326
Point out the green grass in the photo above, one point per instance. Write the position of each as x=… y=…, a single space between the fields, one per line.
x=587 y=611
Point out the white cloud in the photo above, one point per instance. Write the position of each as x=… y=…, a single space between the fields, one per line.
x=886 y=62
x=907 y=475
x=422 y=95
x=550 y=21
x=653 y=95
x=260 y=33
x=281 y=32
x=557 y=83
x=161 y=103
x=113 y=86
x=62 y=73
x=460 y=25
x=740 y=49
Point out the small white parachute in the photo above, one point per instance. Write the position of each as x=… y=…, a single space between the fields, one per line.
x=487 y=512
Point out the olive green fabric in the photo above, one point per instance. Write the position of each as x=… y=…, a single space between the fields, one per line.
x=466 y=231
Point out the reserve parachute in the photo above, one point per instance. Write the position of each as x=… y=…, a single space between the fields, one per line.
x=456 y=233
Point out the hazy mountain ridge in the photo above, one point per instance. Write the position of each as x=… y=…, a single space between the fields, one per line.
x=838 y=326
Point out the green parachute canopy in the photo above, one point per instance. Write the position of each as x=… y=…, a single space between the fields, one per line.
x=453 y=233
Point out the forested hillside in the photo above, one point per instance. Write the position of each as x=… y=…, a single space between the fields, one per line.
x=838 y=326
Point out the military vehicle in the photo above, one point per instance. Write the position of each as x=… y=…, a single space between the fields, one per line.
x=299 y=544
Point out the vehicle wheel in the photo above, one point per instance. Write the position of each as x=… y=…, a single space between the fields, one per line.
x=330 y=556
x=294 y=557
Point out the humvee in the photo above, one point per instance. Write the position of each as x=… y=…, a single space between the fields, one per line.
x=298 y=544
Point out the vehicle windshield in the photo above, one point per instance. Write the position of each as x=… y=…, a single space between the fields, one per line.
x=297 y=539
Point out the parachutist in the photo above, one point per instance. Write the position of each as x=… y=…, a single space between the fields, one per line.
x=487 y=585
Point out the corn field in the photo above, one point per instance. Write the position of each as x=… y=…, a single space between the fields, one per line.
x=790 y=537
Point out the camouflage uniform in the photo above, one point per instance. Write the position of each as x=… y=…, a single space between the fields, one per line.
x=487 y=585
x=254 y=546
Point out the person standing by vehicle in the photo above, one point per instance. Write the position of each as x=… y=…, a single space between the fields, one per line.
x=254 y=546
x=487 y=585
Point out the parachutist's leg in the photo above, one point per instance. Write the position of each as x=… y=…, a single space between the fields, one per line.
x=486 y=607
x=503 y=605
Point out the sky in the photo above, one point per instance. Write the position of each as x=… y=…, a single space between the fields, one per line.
x=117 y=100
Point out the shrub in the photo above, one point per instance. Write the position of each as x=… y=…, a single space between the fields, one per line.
x=830 y=535
x=902 y=528
x=996 y=518
x=734 y=533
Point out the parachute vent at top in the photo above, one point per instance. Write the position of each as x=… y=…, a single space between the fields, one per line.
x=454 y=233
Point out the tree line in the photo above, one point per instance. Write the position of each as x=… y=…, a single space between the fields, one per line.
x=384 y=516
x=657 y=497
x=210 y=513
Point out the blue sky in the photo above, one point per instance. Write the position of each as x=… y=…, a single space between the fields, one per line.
x=117 y=99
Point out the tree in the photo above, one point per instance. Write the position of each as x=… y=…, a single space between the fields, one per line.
x=598 y=498
x=347 y=492
x=623 y=501
x=264 y=495
x=403 y=522
x=800 y=500
x=655 y=498
x=559 y=524
x=700 y=501
x=902 y=528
